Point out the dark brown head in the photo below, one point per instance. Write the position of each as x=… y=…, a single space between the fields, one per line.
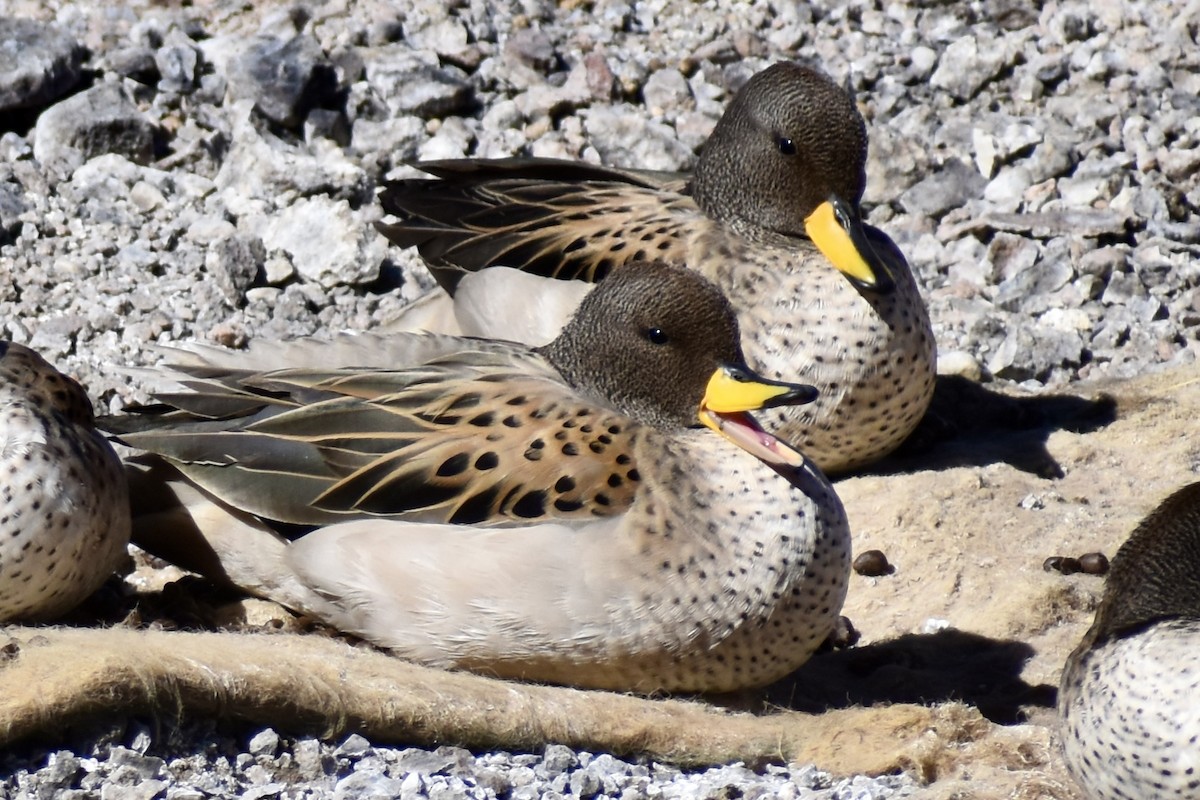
x=647 y=340
x=789 y=140
x=1156 y=573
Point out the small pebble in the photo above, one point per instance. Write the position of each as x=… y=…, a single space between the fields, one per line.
x=1064 y=564
x=1093 y=564
x=264 y=743
x=844 y=635
x=872 y=564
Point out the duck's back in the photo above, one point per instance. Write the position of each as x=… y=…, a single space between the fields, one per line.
x=555 y=219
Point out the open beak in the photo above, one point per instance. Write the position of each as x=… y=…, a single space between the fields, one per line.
x=838 y=232
x=732 y=392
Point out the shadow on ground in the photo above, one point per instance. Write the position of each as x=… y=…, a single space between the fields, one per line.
x=968 y=424
x=918 y=668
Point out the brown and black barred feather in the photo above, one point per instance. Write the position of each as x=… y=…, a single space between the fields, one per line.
x=478 y=436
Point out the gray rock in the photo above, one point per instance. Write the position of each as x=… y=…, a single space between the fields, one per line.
x=897 y=160
x=104 y=119
x=38 y=63
x=13 y=146
x=312 y=760
x=967 y=64
x=178 y=62
x=367 y=785
x=1051 y=158
x=12 y=206
x=531 y=47
x=436 y=92
x=62 y=768
x=1084 y=191
x=283 y=77
x=448 y=37
x=1028 y=290
x=922 y=61
x=264 y=743
x=141 y=766
x=558 y=759
x=1122 y=288
x=1044 y=224
x=1032 y=352
x=950 y=186
x=145 y=790
x=694 y=128
x=959 y=362
x=324 y=123
x=625 y=139
x=503 y=115
x=586 y=783
x=1011 y=255
x=260 y=167
x=667 y=90
x=495 y=781
x=388 y=142
x=599 y=76
x=1007 y=190
x=410 y=82
x=354 y=746
x=1179 y=164
x=443 y=759
x=135 y=62
x=452 y=140
x=547 y=99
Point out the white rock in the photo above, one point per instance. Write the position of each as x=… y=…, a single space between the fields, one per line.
x=325 y=243
x=959 y=362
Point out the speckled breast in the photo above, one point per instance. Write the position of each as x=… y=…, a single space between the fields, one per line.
x=1130 y=721
x=64 y=511
x=871 y=356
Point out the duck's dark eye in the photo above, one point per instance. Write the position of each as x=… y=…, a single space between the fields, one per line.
x=786 y=146
x=657 y=336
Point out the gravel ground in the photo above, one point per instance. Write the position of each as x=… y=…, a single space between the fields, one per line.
x=206 y=172
x=200 y=762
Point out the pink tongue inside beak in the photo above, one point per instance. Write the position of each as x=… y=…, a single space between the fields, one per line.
x=742 y=429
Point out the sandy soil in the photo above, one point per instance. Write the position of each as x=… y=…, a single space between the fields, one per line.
x=970 y=613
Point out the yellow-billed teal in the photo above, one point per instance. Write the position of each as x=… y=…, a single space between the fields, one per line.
x=1129 y=693
x=607 y=538
x=771 y=215
x=64 y=505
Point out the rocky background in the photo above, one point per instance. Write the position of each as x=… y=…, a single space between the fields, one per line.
x=206 y=171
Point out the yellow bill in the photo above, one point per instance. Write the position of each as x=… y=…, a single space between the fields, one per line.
x=732 y=388
x=732 y=391
x=838 y=233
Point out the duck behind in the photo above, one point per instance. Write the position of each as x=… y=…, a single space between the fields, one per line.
x=771 y=215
